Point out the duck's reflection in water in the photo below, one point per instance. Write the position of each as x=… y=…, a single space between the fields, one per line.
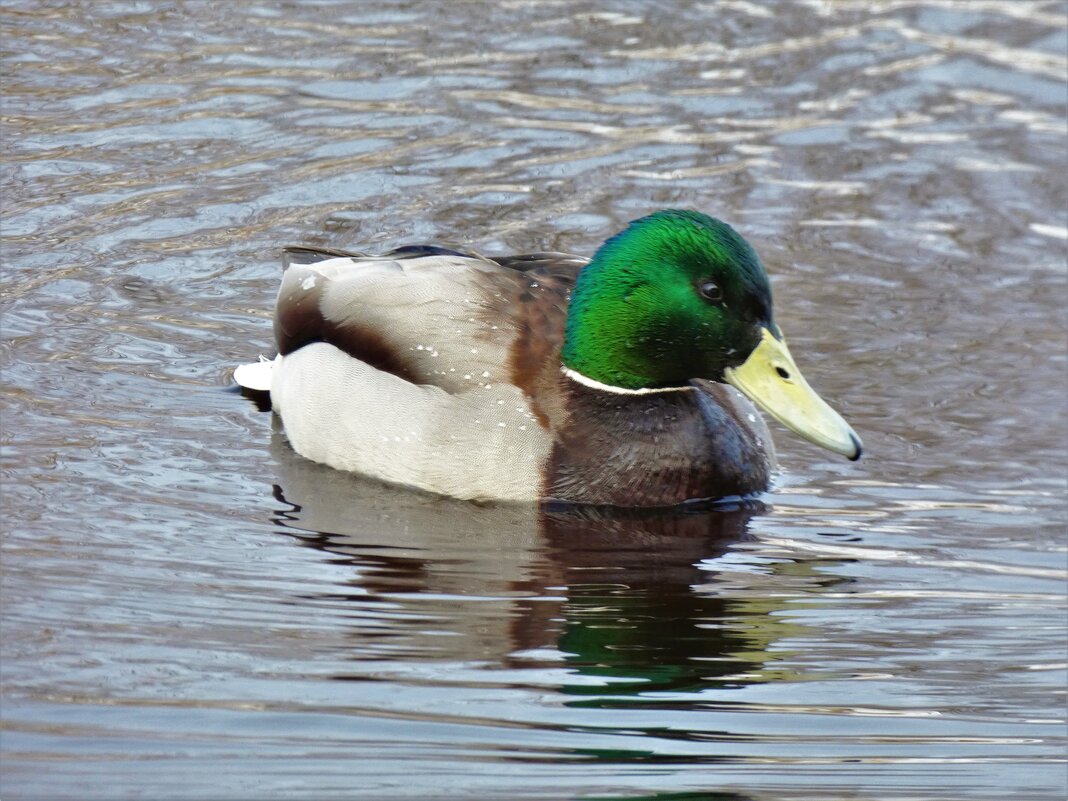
x=619 y=598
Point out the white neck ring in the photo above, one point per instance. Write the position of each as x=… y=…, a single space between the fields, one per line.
x=586 y=381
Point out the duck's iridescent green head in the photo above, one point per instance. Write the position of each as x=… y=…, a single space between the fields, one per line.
x=679 y=295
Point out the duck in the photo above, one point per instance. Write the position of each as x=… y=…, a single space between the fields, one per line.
x=630 y=379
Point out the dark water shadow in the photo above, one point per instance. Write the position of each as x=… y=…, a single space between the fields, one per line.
x=700 y=795
x=620 y=598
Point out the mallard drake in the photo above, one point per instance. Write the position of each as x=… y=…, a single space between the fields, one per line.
x=623 y=380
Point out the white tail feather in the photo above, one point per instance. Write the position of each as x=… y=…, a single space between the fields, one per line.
x=255 y=376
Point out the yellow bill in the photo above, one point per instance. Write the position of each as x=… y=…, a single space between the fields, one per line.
x=770 y=379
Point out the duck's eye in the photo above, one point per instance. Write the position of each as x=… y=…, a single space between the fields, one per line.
x=709 y=290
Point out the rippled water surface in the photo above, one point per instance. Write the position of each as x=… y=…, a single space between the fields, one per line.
x=192 y=611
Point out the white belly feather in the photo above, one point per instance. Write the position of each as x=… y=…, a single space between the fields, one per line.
x=482 y=443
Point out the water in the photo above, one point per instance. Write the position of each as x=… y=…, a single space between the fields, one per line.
x=191 y=611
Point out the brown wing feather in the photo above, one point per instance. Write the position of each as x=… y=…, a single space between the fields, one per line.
x=400 y=304
x=539 y=309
